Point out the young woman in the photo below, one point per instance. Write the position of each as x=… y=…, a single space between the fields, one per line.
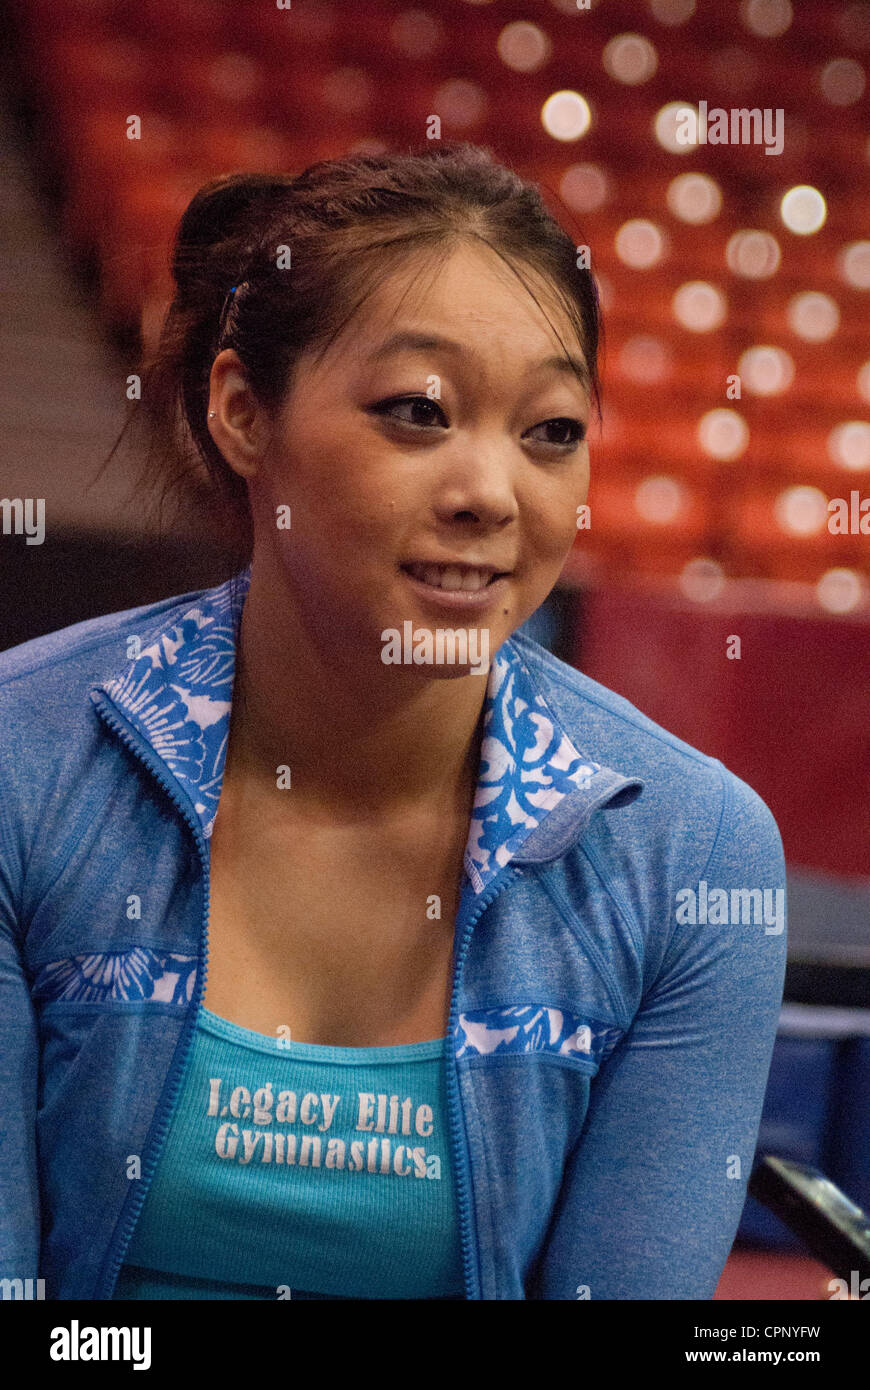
x=339 y=959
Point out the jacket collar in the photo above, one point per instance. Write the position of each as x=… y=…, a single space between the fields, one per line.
x=535 y=792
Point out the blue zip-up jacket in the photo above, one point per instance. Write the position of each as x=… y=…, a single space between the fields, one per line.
x=618 y=965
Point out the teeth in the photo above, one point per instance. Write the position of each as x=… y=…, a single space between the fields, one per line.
x=451 y=577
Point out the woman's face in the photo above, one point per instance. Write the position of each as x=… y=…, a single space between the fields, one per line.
x=439 y=431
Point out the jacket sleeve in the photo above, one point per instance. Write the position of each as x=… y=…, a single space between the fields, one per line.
x=654 y=1189
x=19 y=1069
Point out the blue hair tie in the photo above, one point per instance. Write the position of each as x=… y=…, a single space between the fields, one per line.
x=225 y=311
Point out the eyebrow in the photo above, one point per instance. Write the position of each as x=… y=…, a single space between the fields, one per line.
x=433 y=342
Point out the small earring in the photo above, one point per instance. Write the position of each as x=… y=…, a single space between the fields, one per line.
x=211 y=414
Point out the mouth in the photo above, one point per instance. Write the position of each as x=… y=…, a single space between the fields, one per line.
x=454 y=579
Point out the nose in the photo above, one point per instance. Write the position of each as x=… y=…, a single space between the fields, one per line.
x=478 y=485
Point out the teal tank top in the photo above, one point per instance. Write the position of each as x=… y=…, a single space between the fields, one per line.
x=293 y=1170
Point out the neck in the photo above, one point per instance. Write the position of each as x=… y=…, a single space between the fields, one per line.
x=356 y=734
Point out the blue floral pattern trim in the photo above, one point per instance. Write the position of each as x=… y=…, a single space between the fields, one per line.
x=527 y=765
x=158 y=976
x=178 y=695
x=534 y=1028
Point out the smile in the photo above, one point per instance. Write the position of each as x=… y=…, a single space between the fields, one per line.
x=452 y=578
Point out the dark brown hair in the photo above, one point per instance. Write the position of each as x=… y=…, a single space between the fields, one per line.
x=346 y=224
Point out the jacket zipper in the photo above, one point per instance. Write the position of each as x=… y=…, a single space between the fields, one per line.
x=461 y=1162
x=121 y=1239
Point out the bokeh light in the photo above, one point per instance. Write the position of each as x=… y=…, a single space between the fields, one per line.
x=803 y=209
x=853 y=264
x=723 y=434
x=660 y=500
x=524 y=47
x=630 y=58
x=849 y=445
x=766 y=371
x=699 y=306
x=669 y=120
x=640 y=244
x=694 y=198
x=767 y=19
x=672 y=12
x=461 y=103
x=841 y=590
x=753 y=254
x=702 y=579
x=584 y=187
x=813 y=316
x=417 y=33
x=566 y=115
x=842 y=81
x=801 y=511
x=645 y=359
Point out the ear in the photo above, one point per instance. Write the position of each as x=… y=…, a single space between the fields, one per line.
x=238 y=423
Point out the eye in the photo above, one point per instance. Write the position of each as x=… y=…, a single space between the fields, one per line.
x=410 y=403
x=564 y=424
